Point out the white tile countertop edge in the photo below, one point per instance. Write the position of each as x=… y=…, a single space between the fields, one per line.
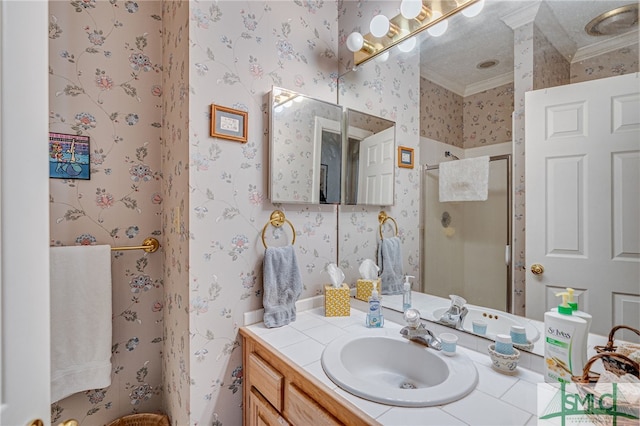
x=498 y=399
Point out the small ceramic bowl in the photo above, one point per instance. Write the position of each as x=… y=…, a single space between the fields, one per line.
x=504 y=363
x=526 y=347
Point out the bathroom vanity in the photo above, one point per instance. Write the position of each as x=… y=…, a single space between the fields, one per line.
x=278 y=392
x=284 y=381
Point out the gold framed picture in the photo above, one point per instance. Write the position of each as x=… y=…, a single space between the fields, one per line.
x=405 y=157
x=228 y=123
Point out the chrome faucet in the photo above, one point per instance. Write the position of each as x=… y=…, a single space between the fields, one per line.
x=455 y=315
x=417 y=332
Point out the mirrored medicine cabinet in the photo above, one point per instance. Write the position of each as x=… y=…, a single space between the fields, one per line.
x=322 y=153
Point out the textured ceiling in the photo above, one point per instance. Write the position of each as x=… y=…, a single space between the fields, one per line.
x=450 y=60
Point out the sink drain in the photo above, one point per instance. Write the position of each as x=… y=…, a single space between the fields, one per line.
x=408 y=385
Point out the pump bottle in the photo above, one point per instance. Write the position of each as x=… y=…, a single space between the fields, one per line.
x=375 y=319
x=406 y=293
x=565 y=345
x=576 y=311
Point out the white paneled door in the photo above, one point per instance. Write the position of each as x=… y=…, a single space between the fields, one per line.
x=24 y=217
x=583 y=198
x=375 y=168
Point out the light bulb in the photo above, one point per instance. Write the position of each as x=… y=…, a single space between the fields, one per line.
x=473 y=10
x=410 y=8
x=288 y=104
x=278 y=108
x=379 y=26
x=298 y=99
x=407 y=45
x=355 y=41
x=382 y=57
x=440 y=28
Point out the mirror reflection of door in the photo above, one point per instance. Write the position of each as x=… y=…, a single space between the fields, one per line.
x=327 y=160
x=369 y=164
x=375 y=171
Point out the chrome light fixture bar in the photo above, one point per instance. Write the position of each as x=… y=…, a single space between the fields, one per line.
x=416 y=16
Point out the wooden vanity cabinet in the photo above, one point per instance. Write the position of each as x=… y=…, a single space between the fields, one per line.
x=276 y=392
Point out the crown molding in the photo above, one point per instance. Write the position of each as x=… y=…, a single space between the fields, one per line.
x=522 y=16
x=442 y=81
x=490 y=83
x=606 y=46
x=471 y=89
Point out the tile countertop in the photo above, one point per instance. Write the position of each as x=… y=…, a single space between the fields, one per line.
x=498 y=399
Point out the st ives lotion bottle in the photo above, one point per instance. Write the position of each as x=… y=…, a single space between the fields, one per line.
x=576 y=311
x=565 y=345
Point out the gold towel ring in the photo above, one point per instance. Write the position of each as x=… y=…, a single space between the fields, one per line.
x=277 y=219
x=382 y=218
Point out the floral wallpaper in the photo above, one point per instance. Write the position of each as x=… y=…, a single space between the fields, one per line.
x=487 y=117
x=237 y=51
x=138 y=78
x=104 y=82
x=551 y=68
x=176 y=359
x=389 y=90
x=466 y=122
x=441 y=114
x=619 y=62
x=523 y=60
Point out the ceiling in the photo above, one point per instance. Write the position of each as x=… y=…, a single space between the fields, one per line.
x=451 y=60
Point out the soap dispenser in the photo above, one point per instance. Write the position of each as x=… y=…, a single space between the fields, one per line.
x=406 y=293
x=576 y=311
x=565 y=345
x=375 y=319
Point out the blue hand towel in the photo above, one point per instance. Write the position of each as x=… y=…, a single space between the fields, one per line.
x=390 y=263
x=282 y=286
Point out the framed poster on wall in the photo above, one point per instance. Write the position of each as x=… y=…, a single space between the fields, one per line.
x=69 y=156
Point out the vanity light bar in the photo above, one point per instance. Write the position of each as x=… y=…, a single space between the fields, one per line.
x=402 y=29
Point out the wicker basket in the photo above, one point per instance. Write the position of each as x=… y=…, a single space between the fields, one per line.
x=586 y=385
x=142 y=419
x=615 y=364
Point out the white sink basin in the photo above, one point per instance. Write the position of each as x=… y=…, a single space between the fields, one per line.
x=498 y=322
x=392 y=370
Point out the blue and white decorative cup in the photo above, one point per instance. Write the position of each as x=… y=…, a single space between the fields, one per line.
x=479 y=327
x=518 y=335
x=449 y=343
x=504 y=345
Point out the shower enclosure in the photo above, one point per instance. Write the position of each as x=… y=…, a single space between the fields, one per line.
x=466 y=246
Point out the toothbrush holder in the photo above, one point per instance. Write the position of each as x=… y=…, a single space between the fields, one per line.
x=504 y=363
x=504 y=345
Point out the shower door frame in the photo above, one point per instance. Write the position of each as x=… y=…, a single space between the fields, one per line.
x=509 y=244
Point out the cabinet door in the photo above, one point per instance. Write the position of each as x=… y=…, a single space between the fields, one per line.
x=261 y=413
x=300 y=409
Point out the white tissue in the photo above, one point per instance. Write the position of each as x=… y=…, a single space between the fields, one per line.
x=369 y=270
x=335 y=274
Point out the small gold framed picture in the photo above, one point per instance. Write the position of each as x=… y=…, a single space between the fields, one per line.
x=228 y=123
x=405 y=157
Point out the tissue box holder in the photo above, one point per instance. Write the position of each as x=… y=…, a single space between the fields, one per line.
x=365 y=287
x=336 y=301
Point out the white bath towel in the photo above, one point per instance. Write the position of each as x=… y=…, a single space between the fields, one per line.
x=81 y=315
x=390 y=263
x=464 y=180
x=282 y=286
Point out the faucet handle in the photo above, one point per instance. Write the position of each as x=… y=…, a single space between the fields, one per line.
x=458 y=301
x=412 y=317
